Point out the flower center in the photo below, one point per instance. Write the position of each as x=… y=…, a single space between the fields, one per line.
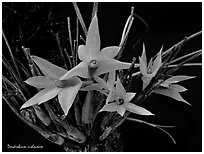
x=93 y=64
x=149 y=71
x=120 y=101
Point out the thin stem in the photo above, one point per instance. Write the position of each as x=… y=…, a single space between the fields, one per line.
x=79 y=16
x=185 y=56
x=189 y=64
x=77 y=41
x=11 y=54
x=70 y=40
x=178 y=44
x=155 y=126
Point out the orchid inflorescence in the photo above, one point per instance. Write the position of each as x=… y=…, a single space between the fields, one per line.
x=100 y=71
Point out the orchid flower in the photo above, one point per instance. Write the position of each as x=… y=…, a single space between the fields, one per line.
x=93 y=61
x=171 y=89
x=52 y=85
x=149 y=71
x=120 y=101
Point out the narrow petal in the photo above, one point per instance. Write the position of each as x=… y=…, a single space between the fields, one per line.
x=111 y=80
x=177 y=87
x=120 y=90
x=101 y=82
x=171 y=93
x=111 y=107
x=35 y=99
x=157 y=62
x=48 y=69
x=143 y=61
x=111 y=97
x=93 y=38
x=143 y=66
x=83 y=54
x=109 y=65
x=109 y=52
x=146 y=81
x=96 y=87
x=129 y=97
x=178 y=78
x=49 y=95
x=80 y=70
x=67 y=95
x=40 y=82
x=137 y=109
x=121 y=110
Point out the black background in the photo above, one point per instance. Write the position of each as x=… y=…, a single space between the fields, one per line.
x=168 y=22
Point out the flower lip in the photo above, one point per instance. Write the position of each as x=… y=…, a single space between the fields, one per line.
x=93 y=64
x=120 y=101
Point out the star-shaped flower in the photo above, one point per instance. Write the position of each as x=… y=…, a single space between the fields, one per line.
x=149 y=71
x=120 y=101
x=96 y=62
x=52 y=85
x=171 y=89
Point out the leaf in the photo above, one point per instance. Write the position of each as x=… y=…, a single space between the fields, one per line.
x=42 y=116
x=87 y=109
x=93 y=38
x=137 y=109
x=109 y=52
x=40 y=82
x=50 y=70
x=171 y=93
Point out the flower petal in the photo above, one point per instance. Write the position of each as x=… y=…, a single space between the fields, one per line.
x=157 y=62
x=120 y=90
x=80 y=70
x=101 y=82
x=109 y=65
x=67 y=95
x=82 y=53
x=111 y=97
x=111 y=80
x=96 y=87
x=143 y=66
x=129 y=97
x=93 y=38
x=121 y=109
x=48 y=69
x=35 y=99
x=171 y=93
x=111 y=107
x=49 y=95
x=146 y=81
x=40 y=82
x=178 y=78
x=109 y=52
x=137 y=109
x=177 y=87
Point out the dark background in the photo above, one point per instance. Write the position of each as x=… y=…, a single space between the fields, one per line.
x=168 y=24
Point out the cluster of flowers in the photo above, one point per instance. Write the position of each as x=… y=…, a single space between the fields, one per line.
x=66 y=84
